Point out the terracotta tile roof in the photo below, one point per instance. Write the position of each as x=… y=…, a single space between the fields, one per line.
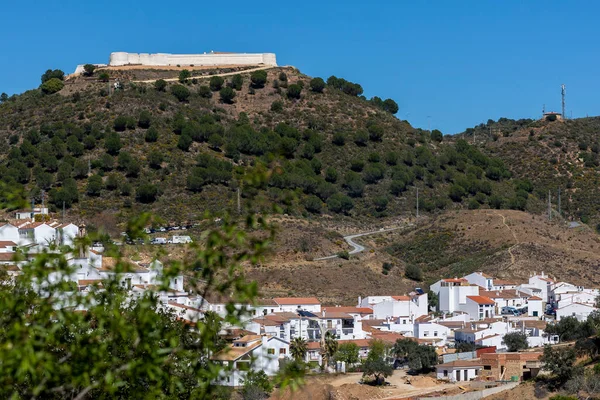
x=535 y=298
x=232 y=353
x=265 y=302
x=175 y=304
x=7 y=256
x=401 y=298
x=349 y=310
x=455 y=280
x=424 y=318
x=388 y=337
x=290 y=301
x=315 y=345
x=358 y=342
x=504 y=294
x=461 y=363
x=266 y=322
x=248 y=338
x=481 y=300
x=7 y=243
x=86 y=282
x=532 y=324
x=9 y=267
x=334 y=315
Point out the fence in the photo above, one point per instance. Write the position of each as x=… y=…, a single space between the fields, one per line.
x=468 y=355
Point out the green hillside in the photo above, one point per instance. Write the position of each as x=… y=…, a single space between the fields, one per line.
x=180 y=149
x=553 y=155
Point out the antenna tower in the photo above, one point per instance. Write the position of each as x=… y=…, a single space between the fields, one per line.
x=563 y=92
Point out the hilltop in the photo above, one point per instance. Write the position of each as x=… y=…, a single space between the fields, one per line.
x=182 y=148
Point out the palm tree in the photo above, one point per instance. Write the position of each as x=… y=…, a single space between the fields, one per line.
x=329 y=346
x=298 y=348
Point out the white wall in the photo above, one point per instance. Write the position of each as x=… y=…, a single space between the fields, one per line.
x=534 y=308
x=10 y=233
x=477 y=278
x=122 y=58
x=452 y=297
x=451 y=373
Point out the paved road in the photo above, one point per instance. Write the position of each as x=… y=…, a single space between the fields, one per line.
x=209 y=76
x=357 y=248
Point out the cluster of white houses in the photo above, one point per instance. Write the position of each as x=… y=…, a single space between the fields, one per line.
x=470 y=309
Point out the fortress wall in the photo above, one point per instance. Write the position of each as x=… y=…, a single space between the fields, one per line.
x=121 y=58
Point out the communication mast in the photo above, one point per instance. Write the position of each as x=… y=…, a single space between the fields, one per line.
x=563 y=92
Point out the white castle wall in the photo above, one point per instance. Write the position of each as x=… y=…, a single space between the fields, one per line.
x=161 y=59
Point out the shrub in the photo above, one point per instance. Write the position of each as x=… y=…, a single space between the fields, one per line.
x=313 y=204
x=331 y=175
x=216 y=83
x=155 y=159
x=317 y=85
x=473 y=204
x=375 y=133
x=277 y=106
x=151 y=135
x=339 y=139
x=52 y=86
x=184 y=142
x=390 y=106
x=88 y=69
x=437 y=135
x=283 y=76
x=160 y=85
x=205 y=92
x=145 y=119
x=294 y=91
x=227 y=94
x=386 y=267
x=413 y=272
x=51 y=74
x=103 y=76
x=340 y=203
x=112 y=144
x=361 y=138
x=515 y=341
x=357 y=165
x=184 y=75
x=381 y=203
x=180 y=92
x=94 y=185
x=237 y=82
x=146 y=193
x=456 y=192
x=343 y=254
x=258 y=79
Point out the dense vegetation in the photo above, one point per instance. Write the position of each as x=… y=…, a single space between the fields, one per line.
x=185 y=147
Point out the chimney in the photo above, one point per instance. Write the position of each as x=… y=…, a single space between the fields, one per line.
x=359 y=300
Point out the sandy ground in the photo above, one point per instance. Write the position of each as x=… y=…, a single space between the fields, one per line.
x=346 y=387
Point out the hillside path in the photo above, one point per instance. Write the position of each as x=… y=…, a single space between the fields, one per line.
x=209 y=76
x=357 y=248
x=514 y=235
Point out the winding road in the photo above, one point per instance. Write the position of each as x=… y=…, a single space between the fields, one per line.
x=357 y=248
x=245 y=71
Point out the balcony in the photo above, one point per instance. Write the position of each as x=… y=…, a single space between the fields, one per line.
x=347 y=331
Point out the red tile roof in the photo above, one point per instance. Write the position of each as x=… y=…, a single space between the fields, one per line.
x=481 y=299
x=401 y=298
x=349 y=310
x=534 y=298
x=7 y=243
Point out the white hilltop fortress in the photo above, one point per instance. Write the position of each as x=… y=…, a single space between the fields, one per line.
x=206 y=59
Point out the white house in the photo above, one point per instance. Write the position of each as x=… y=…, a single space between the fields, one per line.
x=452 y=293
x=251 y=352
x=410 y=307
x=65 y=233
x=9 y=232
x=431 y=331
x=479 y=307
x=7 y=246
x=37 y=232
x=459 y=370
x=30 y=214
x=534 y=306
x=485 y=281
x=293 y=304
x=577 y=310
x=542 y=282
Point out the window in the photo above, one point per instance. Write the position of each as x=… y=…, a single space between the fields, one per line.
x=176 y=281
x=282 y=350
x=487 y=367
x=271 y=351
x=435 y=333
x=404 y=321
x=425 y=333
x=445 y=373
x=476 y=372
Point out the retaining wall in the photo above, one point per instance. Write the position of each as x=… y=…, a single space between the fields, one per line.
x=476 y=395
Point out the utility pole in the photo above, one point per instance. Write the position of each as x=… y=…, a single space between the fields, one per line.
x=417 y=202
x=89 y=167
x=549 y=207
x=563 y=92
x=63 y=213
x=239 y=207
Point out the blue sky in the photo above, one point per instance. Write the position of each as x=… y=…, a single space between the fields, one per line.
x=458 y=62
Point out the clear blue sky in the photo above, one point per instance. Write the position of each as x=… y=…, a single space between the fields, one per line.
x=460 y=62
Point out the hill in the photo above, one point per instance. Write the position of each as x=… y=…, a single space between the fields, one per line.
x=182 y=148
x=552 y=155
